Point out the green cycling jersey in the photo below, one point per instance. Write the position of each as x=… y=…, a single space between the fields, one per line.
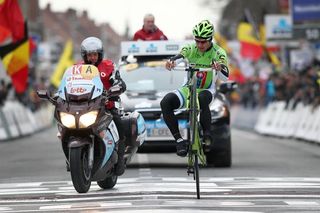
x=204 y=60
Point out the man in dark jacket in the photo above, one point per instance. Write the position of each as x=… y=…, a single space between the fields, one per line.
x=149 y=30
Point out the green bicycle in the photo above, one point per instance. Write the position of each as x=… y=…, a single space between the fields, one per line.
x=196 y=153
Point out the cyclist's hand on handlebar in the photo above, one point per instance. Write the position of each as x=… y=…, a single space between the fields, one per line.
x=216 y=66
x=170 y=64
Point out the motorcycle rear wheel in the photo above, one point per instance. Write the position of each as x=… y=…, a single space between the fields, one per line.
x=108 y=183
x=79 y=169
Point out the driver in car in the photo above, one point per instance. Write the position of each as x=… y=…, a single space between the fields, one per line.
x=203 y=54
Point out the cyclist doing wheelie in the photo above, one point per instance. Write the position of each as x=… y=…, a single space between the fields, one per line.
x=203 y=54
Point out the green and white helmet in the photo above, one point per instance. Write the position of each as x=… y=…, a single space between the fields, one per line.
x=203 y=30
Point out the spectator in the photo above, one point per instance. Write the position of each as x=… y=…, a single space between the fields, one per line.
x=149 y=30
x=270 y=89
x=4 y=89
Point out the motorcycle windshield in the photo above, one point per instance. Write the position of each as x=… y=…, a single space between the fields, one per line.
x=79 y=80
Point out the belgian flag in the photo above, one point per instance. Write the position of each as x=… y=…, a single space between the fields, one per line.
x=15 y=58
x=251 y=47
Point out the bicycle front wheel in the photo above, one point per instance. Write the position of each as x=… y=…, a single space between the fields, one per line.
x=196 y=175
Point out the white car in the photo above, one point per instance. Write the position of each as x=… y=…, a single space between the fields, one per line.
x=147 y=80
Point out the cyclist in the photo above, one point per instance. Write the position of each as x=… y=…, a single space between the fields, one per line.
x=149 y=30
x=203 y=54
x=92 y=53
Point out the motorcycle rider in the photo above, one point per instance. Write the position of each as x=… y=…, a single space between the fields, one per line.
x=149 y=30
x=204 y=54
x=92 y=53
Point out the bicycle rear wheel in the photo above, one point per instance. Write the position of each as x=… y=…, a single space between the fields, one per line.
x=196 y=175
x=194 y=134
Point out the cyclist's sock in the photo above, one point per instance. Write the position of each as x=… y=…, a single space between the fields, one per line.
x=179 y=140
x=177 y=136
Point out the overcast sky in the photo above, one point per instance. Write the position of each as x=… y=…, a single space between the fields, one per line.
x=175 y=18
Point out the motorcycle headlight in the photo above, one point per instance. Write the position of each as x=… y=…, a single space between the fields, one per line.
x=218 y=112
x=68 y=120
x=88 y=119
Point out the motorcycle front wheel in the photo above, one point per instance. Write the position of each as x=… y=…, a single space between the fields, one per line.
x=79 y=169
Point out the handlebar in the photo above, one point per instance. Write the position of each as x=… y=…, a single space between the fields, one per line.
x=191 y=69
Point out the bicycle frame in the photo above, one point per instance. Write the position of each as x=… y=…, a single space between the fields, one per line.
x=195 y=146
x=195 y=151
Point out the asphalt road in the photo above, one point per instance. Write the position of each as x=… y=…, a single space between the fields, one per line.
x=268 y=175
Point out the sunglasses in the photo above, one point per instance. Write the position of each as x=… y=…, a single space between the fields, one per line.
x=200 y=41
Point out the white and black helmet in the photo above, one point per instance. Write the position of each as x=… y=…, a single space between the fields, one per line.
x=89 y=45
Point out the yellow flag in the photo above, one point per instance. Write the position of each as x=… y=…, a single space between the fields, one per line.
x=65 y=61
x=245 y=33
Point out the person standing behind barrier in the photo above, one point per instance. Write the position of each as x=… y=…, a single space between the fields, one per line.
x=4 y=89
x=149 y=30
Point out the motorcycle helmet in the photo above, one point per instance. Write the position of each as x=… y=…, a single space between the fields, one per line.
x=203 y=30
x=89 y=45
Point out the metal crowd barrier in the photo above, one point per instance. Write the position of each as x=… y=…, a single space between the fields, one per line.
x=16 y=120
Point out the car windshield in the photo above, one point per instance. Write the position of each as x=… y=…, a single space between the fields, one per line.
x=147 y=77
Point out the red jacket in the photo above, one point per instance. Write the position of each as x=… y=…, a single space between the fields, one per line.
x=148 y=36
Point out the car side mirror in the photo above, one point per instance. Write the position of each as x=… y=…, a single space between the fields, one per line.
x=228 y=87
x=131 y=59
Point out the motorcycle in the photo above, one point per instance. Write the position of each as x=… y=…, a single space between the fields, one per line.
x=88 y=134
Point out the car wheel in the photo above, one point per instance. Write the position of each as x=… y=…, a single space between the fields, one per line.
x=222 y=156
x=220 y=159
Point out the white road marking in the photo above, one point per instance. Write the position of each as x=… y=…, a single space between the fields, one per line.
x=142 y=159
x=169 y=179
x=302 y=203
x=145 y=172
x=236 y=203
x=4 y=191
x=5 y=208
x=16 y=185
x=115 y=204
x=55 y=207
x=158 y=192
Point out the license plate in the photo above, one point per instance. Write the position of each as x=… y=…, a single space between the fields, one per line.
x=163 y=134
x=158 y=130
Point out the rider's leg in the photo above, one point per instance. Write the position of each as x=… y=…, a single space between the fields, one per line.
x=205 y=98
x=120 y=167
x=168 y=104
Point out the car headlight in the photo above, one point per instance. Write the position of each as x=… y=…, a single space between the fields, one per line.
x=218 y=112
x=68 y=120
x=88 y=119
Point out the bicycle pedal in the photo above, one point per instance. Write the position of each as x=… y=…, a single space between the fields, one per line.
x=206 y=145
x=190 y=171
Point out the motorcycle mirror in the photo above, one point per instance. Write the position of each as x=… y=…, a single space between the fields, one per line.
x=43 y=94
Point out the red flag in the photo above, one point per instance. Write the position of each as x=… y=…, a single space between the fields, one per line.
x=12 y=18
x=250 y=50
x=5 y=36
x=32 y=46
